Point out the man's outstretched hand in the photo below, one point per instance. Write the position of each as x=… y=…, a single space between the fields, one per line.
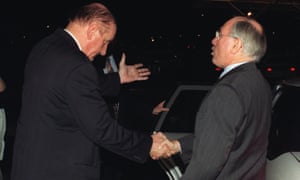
x=131 y=73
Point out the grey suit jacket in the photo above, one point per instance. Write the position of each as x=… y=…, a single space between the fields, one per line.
x=231 y=130
x=64 y=118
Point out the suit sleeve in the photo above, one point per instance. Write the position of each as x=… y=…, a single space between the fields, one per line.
x=93 y=118
x=215 y=133
x=110 y=83
x=186 y=144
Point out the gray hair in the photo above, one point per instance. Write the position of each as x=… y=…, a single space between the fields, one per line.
x=254 y=41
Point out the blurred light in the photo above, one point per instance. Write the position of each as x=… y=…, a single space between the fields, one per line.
x=218 y=69
x=269 y=69
x=152 y=39
x=249 y=13
x=292 y=69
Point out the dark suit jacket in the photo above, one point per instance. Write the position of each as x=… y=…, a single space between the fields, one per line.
x=231 y=130
x=64 y=118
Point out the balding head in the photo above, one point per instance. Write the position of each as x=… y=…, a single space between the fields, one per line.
x=93 y=12
x=251 y=34
x=94 y=27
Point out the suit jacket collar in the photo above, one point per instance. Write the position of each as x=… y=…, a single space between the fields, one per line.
x=230 y=67
x=61 y=33
x=77 y=42
x=246 y=66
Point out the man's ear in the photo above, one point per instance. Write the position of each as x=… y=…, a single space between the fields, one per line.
x=237 y=46
x=92 y=30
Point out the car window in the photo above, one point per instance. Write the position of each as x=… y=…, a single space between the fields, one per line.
x=181 y=117
x=183 y=104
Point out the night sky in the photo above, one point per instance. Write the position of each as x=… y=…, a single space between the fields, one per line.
x=165 y=25
x=171 y=37
x=25 y=22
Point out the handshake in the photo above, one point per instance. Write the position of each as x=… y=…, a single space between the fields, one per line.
x=162 y=147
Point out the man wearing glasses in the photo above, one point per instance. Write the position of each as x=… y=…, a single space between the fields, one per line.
x=232 y=124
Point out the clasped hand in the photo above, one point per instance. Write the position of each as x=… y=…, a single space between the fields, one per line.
x=162 y=147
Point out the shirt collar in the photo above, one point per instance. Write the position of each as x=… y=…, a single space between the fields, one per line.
x=229 y=68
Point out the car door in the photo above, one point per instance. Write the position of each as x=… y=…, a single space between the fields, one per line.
x=179 y=121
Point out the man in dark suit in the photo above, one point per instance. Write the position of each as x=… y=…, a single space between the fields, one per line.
x=64 y=118
x=232 y=124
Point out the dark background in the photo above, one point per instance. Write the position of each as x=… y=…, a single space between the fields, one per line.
x=172 y=38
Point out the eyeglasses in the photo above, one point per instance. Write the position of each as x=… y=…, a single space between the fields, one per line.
x=220 y=35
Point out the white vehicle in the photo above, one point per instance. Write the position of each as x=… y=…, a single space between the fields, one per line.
x=284 y=142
